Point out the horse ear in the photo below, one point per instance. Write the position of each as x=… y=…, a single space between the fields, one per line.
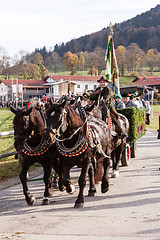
x=26 y=113
x=13 y=109
x=63 y=104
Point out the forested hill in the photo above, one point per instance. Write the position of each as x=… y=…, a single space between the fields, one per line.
x=144 y=29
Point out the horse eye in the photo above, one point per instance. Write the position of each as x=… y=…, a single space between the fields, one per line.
x=52 y=114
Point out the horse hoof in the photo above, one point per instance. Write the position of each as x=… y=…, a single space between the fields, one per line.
x=46 y=201
x=71 y=190
x=115 y=174
x=31 y=201
x=104 y=188
x=78 y=205
x=91 y=193
x=62 y=188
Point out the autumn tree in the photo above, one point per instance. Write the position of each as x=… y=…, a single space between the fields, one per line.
x=134 y=58
x=151 y=57
x=71 y=61
x=37 y=58
x=43 y=70
x=81 y=61
x=32 y=71
x=120 y=56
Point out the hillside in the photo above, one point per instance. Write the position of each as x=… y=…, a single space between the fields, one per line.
x=144 y=29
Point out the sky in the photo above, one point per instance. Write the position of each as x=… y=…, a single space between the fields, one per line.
x=26 y=25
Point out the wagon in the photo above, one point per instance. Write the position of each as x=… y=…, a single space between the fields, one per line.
x=137 y=128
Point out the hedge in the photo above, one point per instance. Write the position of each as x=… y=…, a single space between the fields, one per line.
x=137 y=122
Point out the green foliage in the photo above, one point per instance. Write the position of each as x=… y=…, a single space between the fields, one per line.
x=137 y=122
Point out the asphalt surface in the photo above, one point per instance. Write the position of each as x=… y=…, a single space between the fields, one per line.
x=129 y=211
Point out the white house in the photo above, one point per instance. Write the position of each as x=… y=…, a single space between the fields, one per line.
x=4 y=92
x=58 y=84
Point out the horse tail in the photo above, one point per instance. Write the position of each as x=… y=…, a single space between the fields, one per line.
x=98 y=173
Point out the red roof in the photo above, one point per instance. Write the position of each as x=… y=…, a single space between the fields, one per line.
x=147 y=81
x=24 y=82
x=75 y=77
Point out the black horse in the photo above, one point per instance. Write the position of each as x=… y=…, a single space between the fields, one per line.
x=100 y=111
x=78 y=142
x=29 y=129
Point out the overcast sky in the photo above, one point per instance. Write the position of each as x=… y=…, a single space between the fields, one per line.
x=26 y=25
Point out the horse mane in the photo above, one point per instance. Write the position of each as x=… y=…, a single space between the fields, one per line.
x=73 y=118
x=37 y=121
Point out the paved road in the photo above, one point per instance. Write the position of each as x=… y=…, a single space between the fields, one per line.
x=129 y=211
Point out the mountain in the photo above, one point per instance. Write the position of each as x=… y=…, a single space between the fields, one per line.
x=144 y=29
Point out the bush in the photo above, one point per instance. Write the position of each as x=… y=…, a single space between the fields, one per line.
x=137 y=122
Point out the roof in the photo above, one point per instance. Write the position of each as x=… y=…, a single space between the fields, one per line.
x=144 y=81
x=29 y=83
x=75 y=77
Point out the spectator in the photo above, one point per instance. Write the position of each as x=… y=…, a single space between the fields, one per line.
x=146 y=93
x=148 y=112
x=119 y=104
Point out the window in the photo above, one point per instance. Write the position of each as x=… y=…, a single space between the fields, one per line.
x=95 y=86
x=1 y=89
x=78 y=86
x=86 y=87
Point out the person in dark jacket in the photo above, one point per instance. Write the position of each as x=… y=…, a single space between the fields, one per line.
x=104 y=91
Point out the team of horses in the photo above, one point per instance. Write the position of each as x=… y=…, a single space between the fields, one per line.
x=62 y=136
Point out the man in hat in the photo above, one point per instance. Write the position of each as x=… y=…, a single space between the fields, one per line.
x=104 y=91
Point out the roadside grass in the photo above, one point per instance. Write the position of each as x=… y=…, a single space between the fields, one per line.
x=9 y=166
x=154 y=120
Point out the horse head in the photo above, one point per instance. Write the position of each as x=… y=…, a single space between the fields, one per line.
x=56 y=119
x=21 y=126
x=62 y=119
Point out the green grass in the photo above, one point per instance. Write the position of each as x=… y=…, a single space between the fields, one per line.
x=154 y=122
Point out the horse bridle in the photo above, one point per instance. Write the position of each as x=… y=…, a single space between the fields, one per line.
x=27 y=126
x=56 y=132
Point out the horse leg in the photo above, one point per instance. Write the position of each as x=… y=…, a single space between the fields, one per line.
x=115 y=165
x=23 y=177
x=117 y=156
x=46 y=178
x=82 y=182
x=66 y=179
x=92 y=187
x=105 y=179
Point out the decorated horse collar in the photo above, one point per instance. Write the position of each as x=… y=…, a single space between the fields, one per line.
x=36 y=151
x=78 y=149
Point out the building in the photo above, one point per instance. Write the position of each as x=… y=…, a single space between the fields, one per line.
x=151 y=82
x=55 y=85
x=59 y=84
x=29 y=89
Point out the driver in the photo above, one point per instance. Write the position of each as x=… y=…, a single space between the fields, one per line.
x=104 y=91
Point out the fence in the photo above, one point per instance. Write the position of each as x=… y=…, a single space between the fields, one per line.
x=10 y=153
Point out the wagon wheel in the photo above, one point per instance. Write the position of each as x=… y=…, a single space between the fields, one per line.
x=126 y=156
x=133 y=149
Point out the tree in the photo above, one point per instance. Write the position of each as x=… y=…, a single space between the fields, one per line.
x=134 y=57
x=151 y=57
x=81 y=60
x=43 y=70
x=71 y=62
x=32 y=71
x=37 y=58
x=120 y=55
x=53 y=60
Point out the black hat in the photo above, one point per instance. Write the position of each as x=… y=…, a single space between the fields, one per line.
x=126 y=95
x=103 y=78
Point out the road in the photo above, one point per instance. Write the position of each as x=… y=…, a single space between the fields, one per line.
x=130 y=210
